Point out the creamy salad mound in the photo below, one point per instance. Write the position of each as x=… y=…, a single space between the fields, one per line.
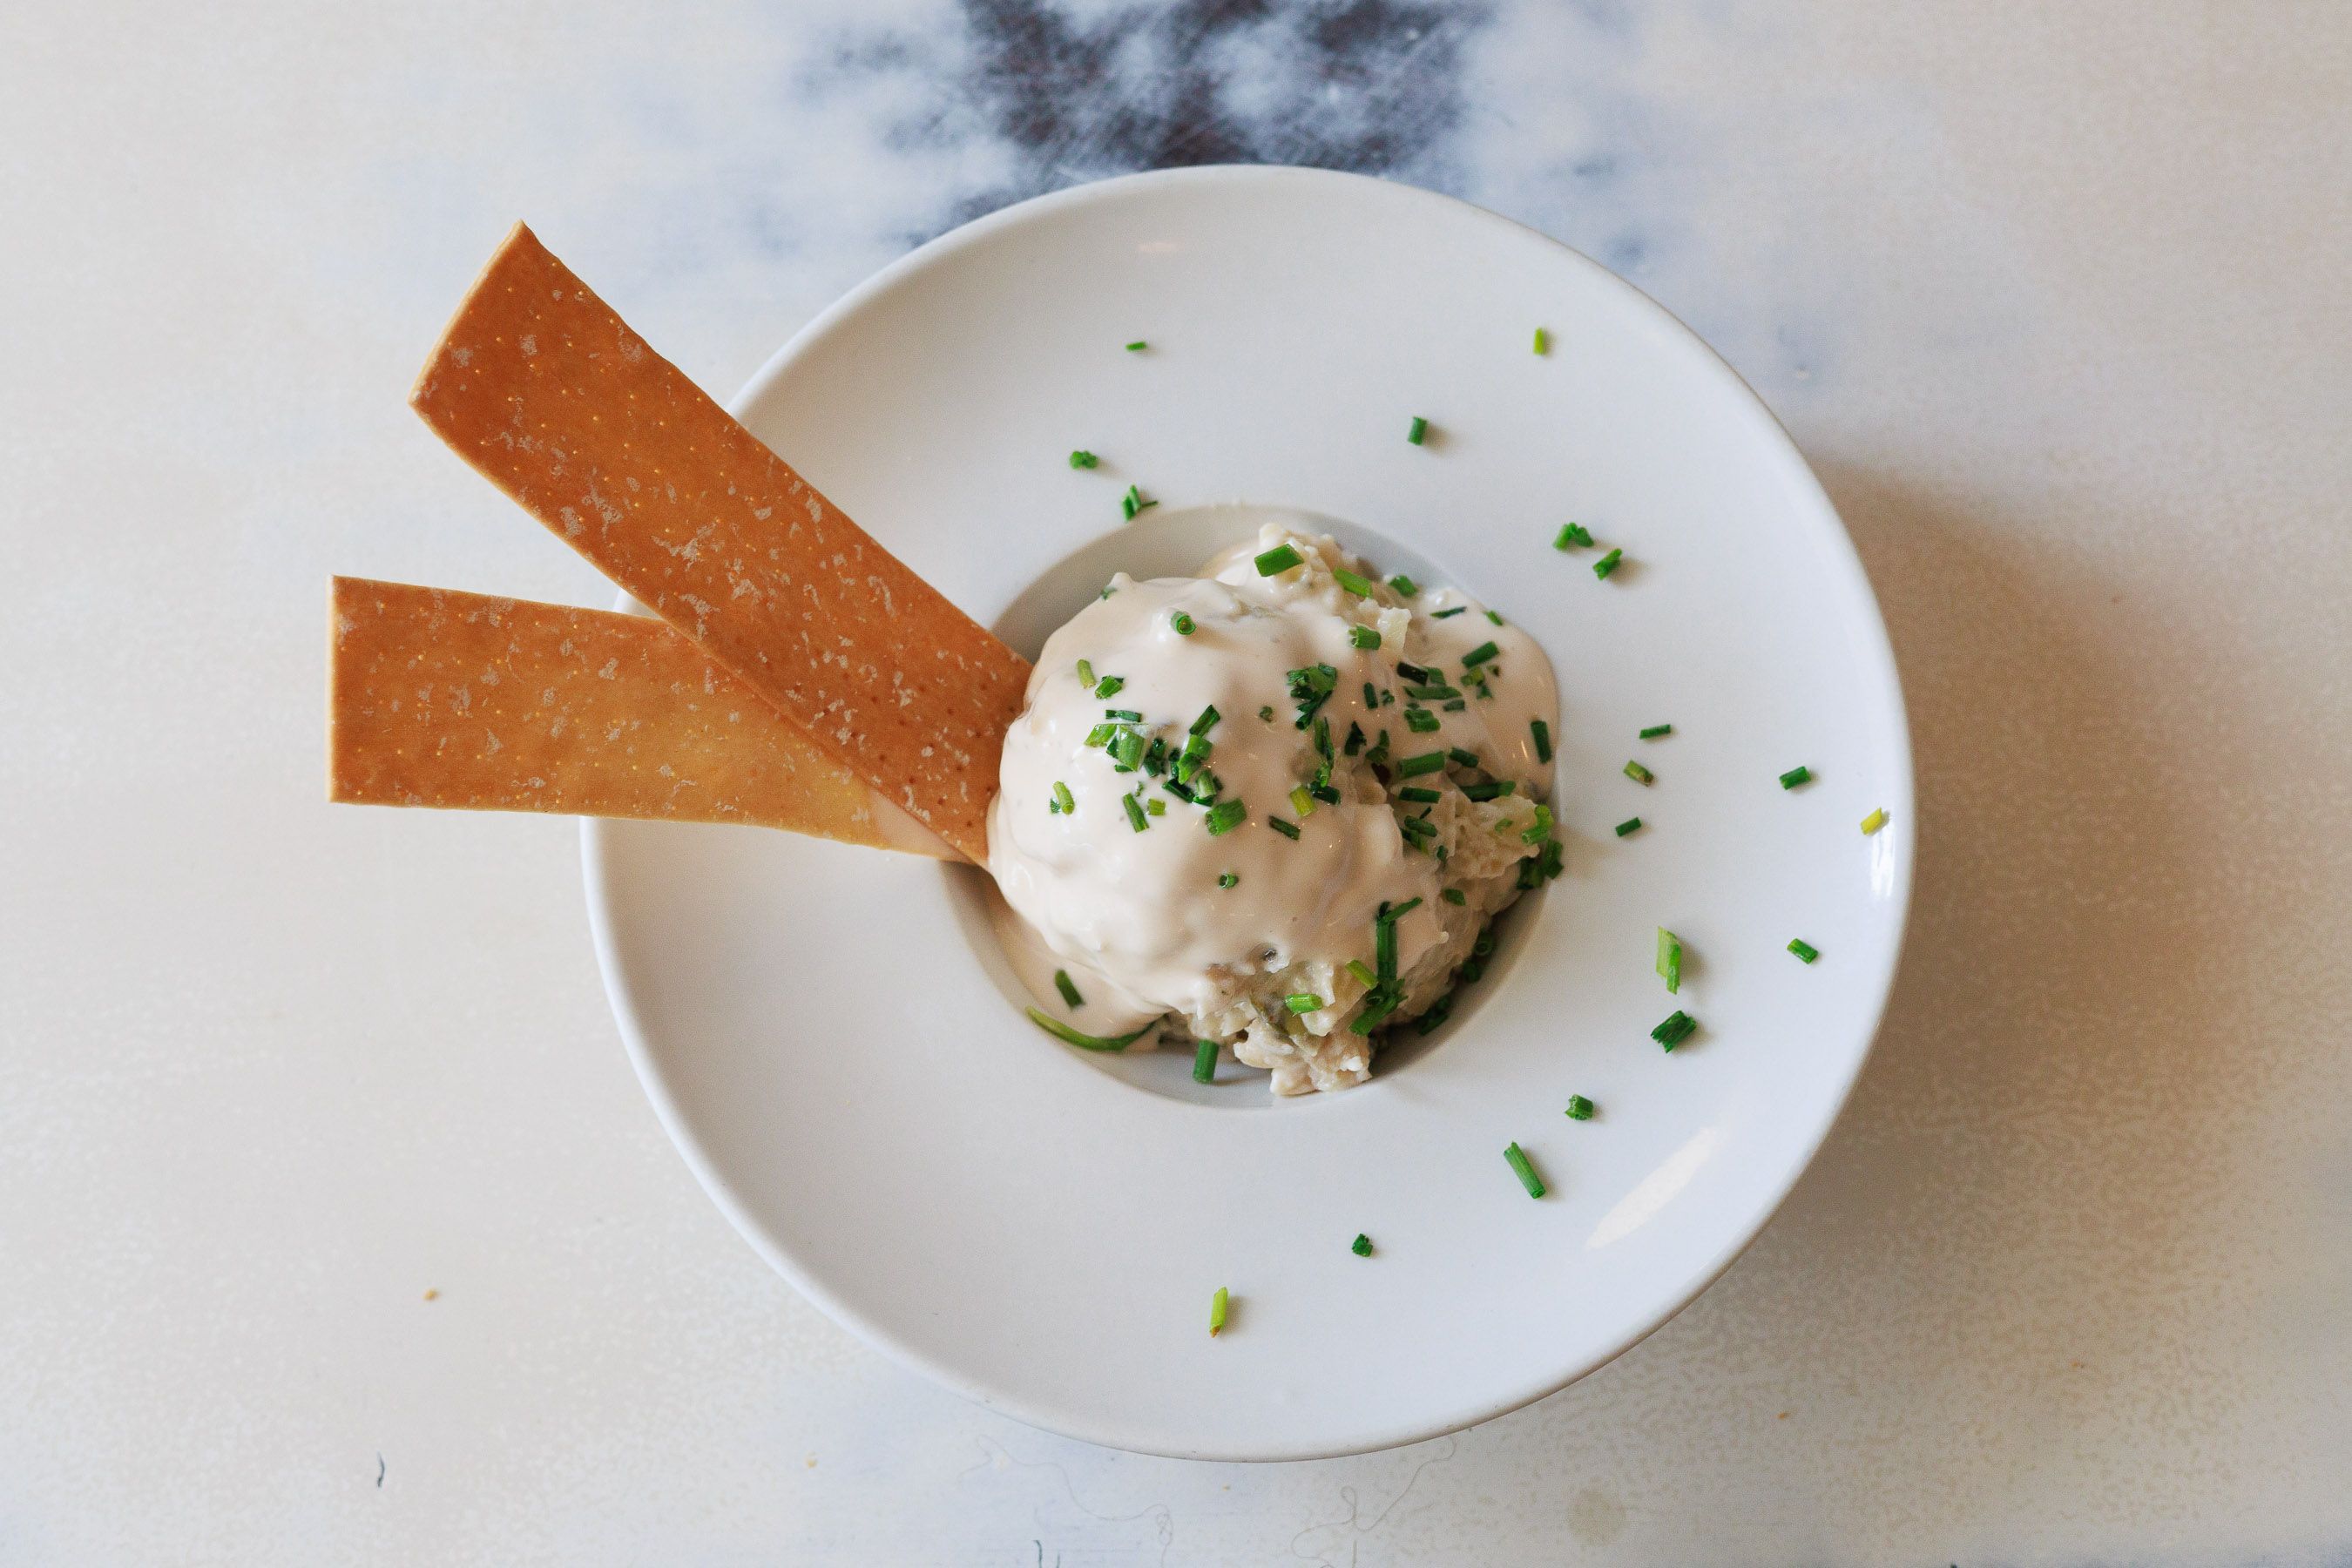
x=1273 y=805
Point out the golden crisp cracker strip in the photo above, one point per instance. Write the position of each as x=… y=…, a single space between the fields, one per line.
x=457 y=699
x=549 y=394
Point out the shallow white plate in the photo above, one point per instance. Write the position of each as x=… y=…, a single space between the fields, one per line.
x=842 y=1066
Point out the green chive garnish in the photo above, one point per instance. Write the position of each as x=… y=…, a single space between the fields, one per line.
x=1542 y=732
x=1129 y=715
x=1804 y=950
x=1419 y=795
x=1364 y=636
x=1287 y=829
x=1303 y=1002
x=1421 y=721
x=1133 y=502
x=1539 y=828
x=1495 y=790
x=1676 y=1030
x=1479 y=655
x=1069 y=992
x=1794 y=777
x=1441 y=614
x=1543 y=341
x=1419 y=432
x=1628 y=825
x=1207 y=721
x=1266 y=714
x=1572 y=533
x=1579 y=1108
x=1524 y=1171
x=1204 y=1061
x=1217 y=1303
x=1608 y=563
x=1361 y=1247
x=1182 y=623
x=1670 y=961
x=1639 y=773
x=1468 y=759
x=1281 y=558
x=1454 y=896
x=1135 y=812
x=1359 y=586
x=1110 y=685
x=1301 y=802
x=1404 y=585
x=1083 y=459
x=1085 y=673
x=1874 y=821
x=1654 y=730
x=1362 y=971
x=1063 y=798
x=1427 y=763
x=1085 y=1042
x=1228 y=879
x=1136 y=348
x=1156 y=807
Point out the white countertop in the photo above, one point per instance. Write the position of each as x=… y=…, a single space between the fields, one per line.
x=2055 y=297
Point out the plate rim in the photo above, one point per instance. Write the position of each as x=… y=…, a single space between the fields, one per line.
x=1901 y=803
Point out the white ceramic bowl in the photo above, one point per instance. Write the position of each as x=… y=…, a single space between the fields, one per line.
x=842 y=1065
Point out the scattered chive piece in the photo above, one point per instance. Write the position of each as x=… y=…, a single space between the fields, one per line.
x=1156 y=807
x=1579 y=1108
x=1069 y=992
x=1543 y=341
x=1135 y=812
x=1132 y=502
x=1281 y=558
x=1107 y=593
x=1654 y=730
x=1404 y=585
x=1494 y=790
x=1063 y=798
x=1303 y=1002
x=1454 y=896
x=1228 y=880
x=1542 y=732
x=1421 y=721
x=1674 y=1030
x=1430 y=691
x=1136 y=348
x=1083 y=459
x=1182 y=623
x=1468 y=759
x=1670 y=961
x=1085 y=1042
x=1393 y=915
x=1524 y=1171
x=1628 y=825
x=1364 y=636
x=1129 y=715
x=1874 y=821
x=1411 y=673
x=1540 y=828
x=1427 y=763
x=1639 y=773
x=1110 y=685
x=1608 y=563
x=1207 y=721
x=1794 y=777
x=1204 y=1061
x=1085 y=673
x=1571 y=533
x=1804 y=950
x=1419 y=432
x=1419 y=795
x=1217 y=1303
x=1301 y=802
x=1225 y=816
x=1359 y=586
x=1266 y=714
x=1496 y=616
x=1441 y=614
x=1479 y=655
x=1287 y=829
x=1456 y=706
x=1361 y=1247
x=1362 y=971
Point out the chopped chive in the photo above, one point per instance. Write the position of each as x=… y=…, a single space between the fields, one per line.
x=1128 y=748
x=1608 y=563
x=1441 y=614
x=1874 y=821
x=1156 y=807
x=1628 y=825
x=1572 y=533
x=1676 y=1028
x=1207 y=721
x=1110 y=685
x=1427 y=763
x=1361 y=1247
x=1132 y=502
x=1287 y=829
x=1107 y=593
x=1083 y=459
x=1362 y=971
x=1654 y=730
x=1064 y=799
x=1392 y=916
x=1359 y=586
x=1456 y=706
x=1542 y=732
x=1136 y=348
x=1468 y=759
x=1404 y=585
x=1086 y=1042
x=1492 y=791
x=1129 y=715
x=1454 y=896
x=1435 y=1014
x=1543 y=341
x=1301 y=802
x=1794 y=777
x=1419 y=432
x=1419 y=795
x=1670 y=961
x=1228 y=879
x=1364 y=636
x=1266 y=714
x=1804 y=950
x=1135 y=812
x=1061 y=983
x=1430 y=691
x=1579 y=1108
x=1101 y=734
x=1182 y=623
x=1525 y=1172
x=1204 y=1061
x=1281 y=558
x=1479 y=655
x=1413 y=672
x=1639 y=773
x=1303 y=1002
x=1085 y=673
x=1218 y=1302
x=1421 y=720
x=1538 y=827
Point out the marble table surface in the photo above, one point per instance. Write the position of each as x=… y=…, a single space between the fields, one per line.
x=333 y=1225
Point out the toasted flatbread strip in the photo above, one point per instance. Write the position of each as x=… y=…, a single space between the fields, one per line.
x=548 y=393
x=455 y=700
